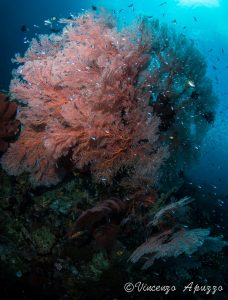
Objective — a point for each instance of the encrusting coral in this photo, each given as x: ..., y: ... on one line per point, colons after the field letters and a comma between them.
x: 86, y: 104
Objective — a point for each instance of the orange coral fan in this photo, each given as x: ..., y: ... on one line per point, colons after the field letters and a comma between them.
x: 8, y: 125
x: 85, y: 103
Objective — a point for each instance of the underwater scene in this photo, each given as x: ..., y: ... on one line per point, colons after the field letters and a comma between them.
x: 113, y: 149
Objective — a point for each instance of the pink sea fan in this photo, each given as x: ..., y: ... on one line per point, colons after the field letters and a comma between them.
x: 86, y: 105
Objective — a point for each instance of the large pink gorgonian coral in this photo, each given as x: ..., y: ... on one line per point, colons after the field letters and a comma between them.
x: 87, y: 105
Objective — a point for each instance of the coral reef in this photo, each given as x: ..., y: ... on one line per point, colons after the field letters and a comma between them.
x: 86, y: 106
x: 109, y: 102
x: 125, y: 108
x: 181, y: 95
x: 9, y: 126
x: 36, y: 257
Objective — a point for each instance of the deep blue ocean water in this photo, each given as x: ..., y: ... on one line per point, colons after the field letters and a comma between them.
x: 206, y: 22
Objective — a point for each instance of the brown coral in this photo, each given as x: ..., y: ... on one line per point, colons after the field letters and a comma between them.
x: 9, y: 126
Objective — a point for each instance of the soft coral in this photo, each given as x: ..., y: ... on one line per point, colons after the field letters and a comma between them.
x: 85, y: 103
x: 9, y: 126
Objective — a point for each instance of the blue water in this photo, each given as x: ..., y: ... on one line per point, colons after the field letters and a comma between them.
x: 206, y: 23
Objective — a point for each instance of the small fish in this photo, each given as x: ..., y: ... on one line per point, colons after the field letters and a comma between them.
x: 24, y: 28
x: 120, y: 10
x: 222, y: 50
x: 214, y: 67
x: 220, y: 201
x: 163, y: 3
x: 47, y: 22
x: 218, y: 59
x: 174, y: 21
x: 191, y: 83
x: 210, y: 50
x: 94, y: 7
x: 149, y: 17
x: 131, y: 5
x: 26, y: 41
x: 184, y: 27
x: 195, y: 19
